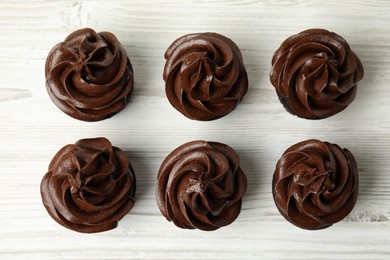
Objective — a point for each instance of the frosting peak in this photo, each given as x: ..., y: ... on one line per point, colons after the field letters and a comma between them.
x: 200, y: 185
x: 315, y: 74
x: 204, y: 75
x: 88, y: 75
x: 315, y: 184
x: 89, y: 186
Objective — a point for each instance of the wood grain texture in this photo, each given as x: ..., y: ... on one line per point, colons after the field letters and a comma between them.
x: 32, y: 129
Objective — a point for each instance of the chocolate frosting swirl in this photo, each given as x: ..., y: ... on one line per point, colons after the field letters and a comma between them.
x: 315, y: 184
x: 204, y: 75
x: 88, y: 75
x: 315, y: 74
x: 200, y: 185
x: 89, y: 186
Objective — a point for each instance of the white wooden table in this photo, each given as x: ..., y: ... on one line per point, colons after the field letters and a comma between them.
x: 32, y: 129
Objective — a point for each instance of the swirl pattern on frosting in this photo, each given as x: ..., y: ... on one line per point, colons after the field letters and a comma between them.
x: 89, y: 186
x: 315, y: 184
x: 88, y: 75
x: 200, y: 185
x: 315, y: 74
x: 204, y: 75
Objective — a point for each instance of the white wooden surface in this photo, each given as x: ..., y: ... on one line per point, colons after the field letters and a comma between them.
x: 32, y: 129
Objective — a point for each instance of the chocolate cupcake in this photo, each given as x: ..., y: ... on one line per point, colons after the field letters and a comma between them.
x: 315, y: 184
x: 89, y: 186
x: 88, y: 75
x: 204, y: 75
x: 315, y: 74
x: 200, y: 185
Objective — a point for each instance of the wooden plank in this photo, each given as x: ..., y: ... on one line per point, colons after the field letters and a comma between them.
x: 32, y: 129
